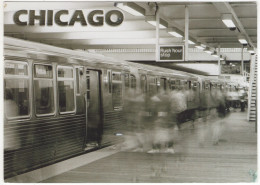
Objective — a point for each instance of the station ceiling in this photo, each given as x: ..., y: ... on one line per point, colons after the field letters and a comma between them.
x: 205, y: 25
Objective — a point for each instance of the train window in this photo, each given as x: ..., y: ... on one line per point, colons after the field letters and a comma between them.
x: 16, y: 85
x: 172, y: 85
x: 152, y: 85
x: 163, y: 84
x: 132, y: 82
x: 143, y: 84
x: 116, y: 91
x: 43, y: 89
x: 66, y: 89
x: 42, y: 71
x: 13, y: 68
x: 127, y: 82
x: 206, y: 85
x: 65, y: 72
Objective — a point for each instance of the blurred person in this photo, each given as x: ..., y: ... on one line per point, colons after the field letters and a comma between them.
x: 221, y: 111
x: 134, y: 105
x: 152, y: 127
x: 163, y: 126
x: 178, y: 105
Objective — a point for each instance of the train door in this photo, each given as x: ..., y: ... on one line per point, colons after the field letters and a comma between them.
x: 163, y: 85
x: 94, y: 107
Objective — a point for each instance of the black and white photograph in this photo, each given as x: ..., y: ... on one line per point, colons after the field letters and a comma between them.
x: 129, y: 91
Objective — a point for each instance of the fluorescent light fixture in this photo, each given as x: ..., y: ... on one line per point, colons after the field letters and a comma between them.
x: 190, y: 41
x: 227, y: 20
x: 199, y: 46
x: 242, y: 39
x: 131, y: 8
x: 175, y: 32
x: 214, y: 54
x: 207, y: 50
x: 251, y: 50
x: 152, y: 20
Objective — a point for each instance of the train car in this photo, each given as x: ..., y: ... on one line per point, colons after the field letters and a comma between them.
x: 57, y: 103
x: 60, y: 103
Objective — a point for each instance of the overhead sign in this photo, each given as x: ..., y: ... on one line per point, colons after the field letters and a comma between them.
x: 171, y: 53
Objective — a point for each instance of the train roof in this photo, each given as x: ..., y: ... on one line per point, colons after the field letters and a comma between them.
x: 34, y: 47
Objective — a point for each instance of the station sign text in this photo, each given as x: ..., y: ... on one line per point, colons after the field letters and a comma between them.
x: 171, y: 53
x: 49, y: 17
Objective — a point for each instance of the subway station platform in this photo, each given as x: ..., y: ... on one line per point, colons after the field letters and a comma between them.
x: 196, y: 158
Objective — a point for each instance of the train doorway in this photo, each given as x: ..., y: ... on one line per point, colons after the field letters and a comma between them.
x: 94, y: 123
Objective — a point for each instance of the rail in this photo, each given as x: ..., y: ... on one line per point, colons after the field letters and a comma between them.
x: 251, y: 80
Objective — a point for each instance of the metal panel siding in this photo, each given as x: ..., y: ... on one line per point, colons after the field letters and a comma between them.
x: 44, y: 141
x: 113, y: 123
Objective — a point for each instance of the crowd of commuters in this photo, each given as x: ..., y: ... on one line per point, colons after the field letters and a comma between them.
x: 154, y: 122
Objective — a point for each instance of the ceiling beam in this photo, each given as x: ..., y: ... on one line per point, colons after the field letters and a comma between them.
x: 208, y: 19
x: 216, y: 29
x: 225, y: 7
x: 125, y: 26
x: 109, y: 41
x: 222, y: 37
x: 93, y: 35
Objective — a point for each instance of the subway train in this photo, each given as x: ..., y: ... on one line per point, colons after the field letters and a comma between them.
x: 58, y: 102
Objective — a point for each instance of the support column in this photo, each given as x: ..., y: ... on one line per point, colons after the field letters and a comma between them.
x: 219, y: 64
x: 157, y: 36
x: 242, y: 60
x: 186, y: 33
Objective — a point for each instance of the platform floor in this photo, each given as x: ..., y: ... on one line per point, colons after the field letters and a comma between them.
x: 196, y: 158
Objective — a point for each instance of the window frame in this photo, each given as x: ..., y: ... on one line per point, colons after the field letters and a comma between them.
x: 40, y: 78
x: 115, y: 108
x: 77, y: 74
x: 73, y: 79
x: 132, y: 76
x: 8, y: 76
x: 144, y: 89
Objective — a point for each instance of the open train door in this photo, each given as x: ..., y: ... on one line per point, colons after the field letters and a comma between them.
x: 94, y: 121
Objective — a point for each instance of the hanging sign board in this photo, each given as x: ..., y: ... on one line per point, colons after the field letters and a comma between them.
x: 171, y: 53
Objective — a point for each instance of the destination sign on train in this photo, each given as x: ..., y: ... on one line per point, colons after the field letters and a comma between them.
x: 68, y: 18
x: 171, y: 53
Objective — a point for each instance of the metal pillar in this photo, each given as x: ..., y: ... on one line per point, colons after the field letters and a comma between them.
x: 186, y: 33
x: 242, y: 60
x: 219, y: 64
x: 157, y: 36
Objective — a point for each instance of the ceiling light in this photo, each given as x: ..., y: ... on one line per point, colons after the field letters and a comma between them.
x: 199, y: 46
x: 131, y: 8
x: 152, y: 21
x: 227, y: 20
x: 207, y: 50
x: 214, y: 54
x: 190, y: 41
x: 251, y: 50
x: 242, y: 39
x: 175, y: 32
